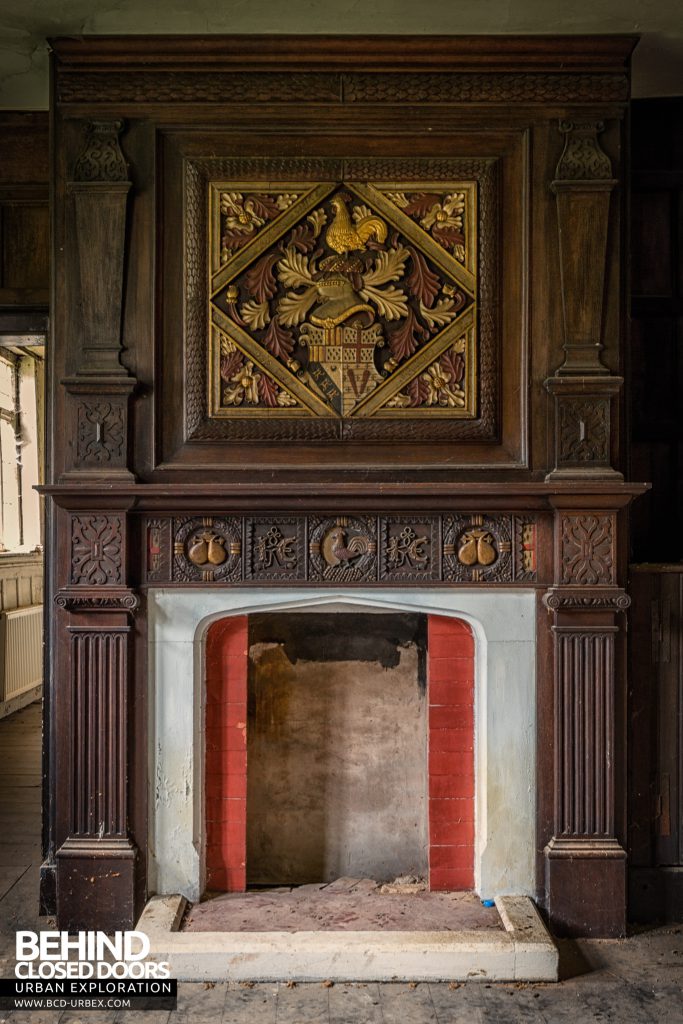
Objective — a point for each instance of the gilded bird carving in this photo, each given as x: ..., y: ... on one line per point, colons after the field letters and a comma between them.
x: 344, y: 236
x: 335, y: 549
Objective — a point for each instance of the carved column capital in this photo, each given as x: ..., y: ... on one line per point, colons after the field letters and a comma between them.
x: 582, y: 158
x: 101, y: 158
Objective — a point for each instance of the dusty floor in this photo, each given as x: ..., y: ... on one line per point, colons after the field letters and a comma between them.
x: 342, y: 906
x: 639, y: 979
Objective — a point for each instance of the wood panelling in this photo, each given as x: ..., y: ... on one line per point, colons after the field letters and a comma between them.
x: 24, y: 212
x: 656, y: 341
x: 193, y: 505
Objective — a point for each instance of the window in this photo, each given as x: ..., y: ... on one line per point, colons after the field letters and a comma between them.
x: 20, y: 450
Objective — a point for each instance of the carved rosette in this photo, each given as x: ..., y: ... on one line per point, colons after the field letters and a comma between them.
x: 343, y: 549
x: 206, y: 550
x: 587, y: 555
x: 275, y: 549
x: 96, y: 550
x: 478, y: 549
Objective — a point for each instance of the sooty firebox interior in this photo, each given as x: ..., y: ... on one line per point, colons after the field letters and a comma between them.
x: 337, y: 747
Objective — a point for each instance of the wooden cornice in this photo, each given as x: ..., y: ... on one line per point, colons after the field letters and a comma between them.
x: 480, y: 53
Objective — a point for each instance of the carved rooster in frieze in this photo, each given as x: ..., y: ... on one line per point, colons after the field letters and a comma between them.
x: 344, y: 236
x: 336, y: 550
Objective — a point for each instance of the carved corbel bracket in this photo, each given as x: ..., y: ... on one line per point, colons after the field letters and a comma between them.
x: 582, y: 186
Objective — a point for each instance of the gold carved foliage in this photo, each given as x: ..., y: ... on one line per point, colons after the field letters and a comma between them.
x: 335, y: 300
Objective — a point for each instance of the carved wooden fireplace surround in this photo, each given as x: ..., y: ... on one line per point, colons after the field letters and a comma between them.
x: 192, y: 444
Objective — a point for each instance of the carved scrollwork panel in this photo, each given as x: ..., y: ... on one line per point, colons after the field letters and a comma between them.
x: 275, y: 549
x: 102, y: 159
x: 587, y: 549
x: 583, y: 431
x: 96, y: 549
x: 409, y: 549
x: 582, y: 158
x: 101, y: 433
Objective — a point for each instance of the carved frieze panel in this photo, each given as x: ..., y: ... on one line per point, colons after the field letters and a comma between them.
x: 96, y: 550
x: 478, y: 549
x: 469, y: 548
x: 207, y: 550
x: 275, y: 548
x: 587, y: 549
x: 343, y: 549
x: 343, y: 300
x: 158, y: 550
x: 410, y: 549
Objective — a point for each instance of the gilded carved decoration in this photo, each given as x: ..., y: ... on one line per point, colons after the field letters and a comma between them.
x: 478, y: 549
x: 350, y: 301
x: 207, y: 550
x: 347, y: 549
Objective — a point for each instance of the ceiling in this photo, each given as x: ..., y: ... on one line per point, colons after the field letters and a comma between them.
x: 26, y: 24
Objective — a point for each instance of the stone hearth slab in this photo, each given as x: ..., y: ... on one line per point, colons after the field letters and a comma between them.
x: 361, y: 906
x: 523, y: 951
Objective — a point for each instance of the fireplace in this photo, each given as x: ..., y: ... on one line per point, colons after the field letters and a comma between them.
x: 337, y: 331
x: 475, y: 817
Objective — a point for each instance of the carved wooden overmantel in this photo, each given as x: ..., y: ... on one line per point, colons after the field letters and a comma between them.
x: 336, y: 312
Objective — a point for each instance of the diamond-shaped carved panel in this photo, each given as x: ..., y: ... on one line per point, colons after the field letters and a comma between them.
x: 343, y: 301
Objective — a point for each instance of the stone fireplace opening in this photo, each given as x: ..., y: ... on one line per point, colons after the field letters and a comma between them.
x: 339, y: 745
x: 300, y: 738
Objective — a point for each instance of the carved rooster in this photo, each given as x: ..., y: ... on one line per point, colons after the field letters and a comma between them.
x: 344, y: 236
x: 335, y: 550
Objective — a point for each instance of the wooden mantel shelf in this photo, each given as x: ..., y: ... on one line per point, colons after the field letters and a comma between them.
x: 339, y: 497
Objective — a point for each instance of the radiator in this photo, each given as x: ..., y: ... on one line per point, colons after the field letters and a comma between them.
x: 21, y: 650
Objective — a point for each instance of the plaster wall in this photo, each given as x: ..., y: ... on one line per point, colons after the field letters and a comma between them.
x: 503, y: 623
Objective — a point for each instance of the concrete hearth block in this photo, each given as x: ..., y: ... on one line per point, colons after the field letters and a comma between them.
x: 523, y: 951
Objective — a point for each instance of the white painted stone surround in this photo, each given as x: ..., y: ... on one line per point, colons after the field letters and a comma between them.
x: 505, y: 719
